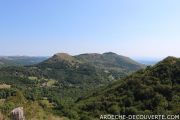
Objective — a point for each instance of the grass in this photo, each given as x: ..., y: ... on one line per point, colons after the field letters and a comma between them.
x: 5, y: 86
x: 51, y: 82
x: 32, y: 78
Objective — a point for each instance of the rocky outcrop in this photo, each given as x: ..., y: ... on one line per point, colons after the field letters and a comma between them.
x: 17, y: 114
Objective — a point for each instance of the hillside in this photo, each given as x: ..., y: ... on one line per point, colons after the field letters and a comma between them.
x: 64, y: 73
x: 61, y: 80
x: 68, y: 70
x: 99, y: 67
x: 19, y: 60
x: 111, y: 62
x: 154, y: 90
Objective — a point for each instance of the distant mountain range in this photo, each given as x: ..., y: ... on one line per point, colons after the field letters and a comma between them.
x: 148, y: 62
x: 19, y: 60
x: 92, y: 58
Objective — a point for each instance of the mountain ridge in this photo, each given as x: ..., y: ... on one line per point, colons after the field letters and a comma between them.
x: 98, y: 64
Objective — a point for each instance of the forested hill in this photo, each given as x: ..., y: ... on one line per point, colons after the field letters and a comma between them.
x: 154, y: 90
x: 88, y: 68
x: 111, y: 61
x: 118, y: 66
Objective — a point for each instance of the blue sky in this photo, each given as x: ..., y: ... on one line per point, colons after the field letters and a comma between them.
x: 134, y: 28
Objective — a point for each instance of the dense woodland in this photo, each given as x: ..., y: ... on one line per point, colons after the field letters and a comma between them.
x: 154, y: 90
x: 83, y: 87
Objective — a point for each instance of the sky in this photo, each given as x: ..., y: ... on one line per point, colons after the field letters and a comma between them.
x: 134, y: 28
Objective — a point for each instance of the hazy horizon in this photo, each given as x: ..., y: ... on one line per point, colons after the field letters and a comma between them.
x: 137, y: 29
x: 140, y: 59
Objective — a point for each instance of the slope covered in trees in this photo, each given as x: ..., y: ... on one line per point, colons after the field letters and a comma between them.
x: 111, y: 62
x: 154, y: 90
